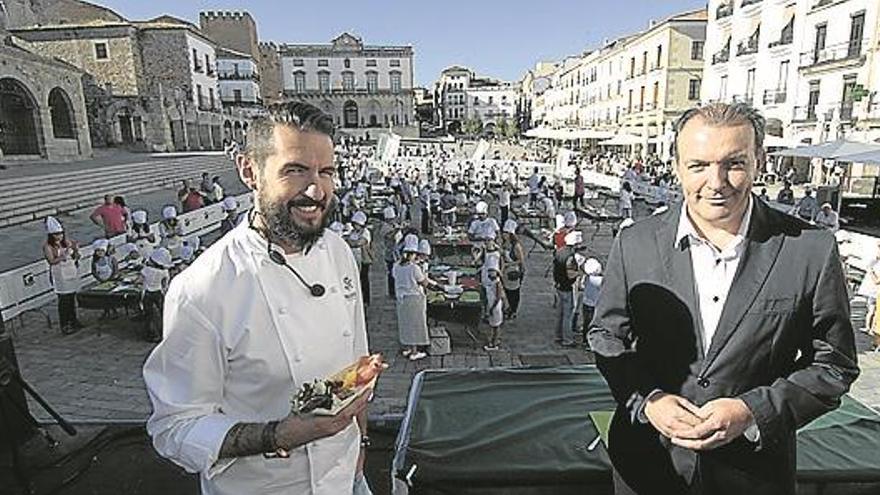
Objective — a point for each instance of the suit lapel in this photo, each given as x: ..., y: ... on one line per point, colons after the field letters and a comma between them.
x: 679, y: 271
x: 761, y: 251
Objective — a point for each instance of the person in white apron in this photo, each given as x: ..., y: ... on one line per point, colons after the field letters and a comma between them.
x: 409, y: 286
x: 514, y: 267
x: 495, y: 301
x: 171, y: 231
x: 155, y: 277
x: 62, y: 254
x: 104, y: 268
x: 140, y: 234
x: 361, y: 241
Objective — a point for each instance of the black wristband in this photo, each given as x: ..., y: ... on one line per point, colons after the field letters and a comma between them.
x: 268, y: 437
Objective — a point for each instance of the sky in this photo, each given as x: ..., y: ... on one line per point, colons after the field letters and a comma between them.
x: 496, y: 38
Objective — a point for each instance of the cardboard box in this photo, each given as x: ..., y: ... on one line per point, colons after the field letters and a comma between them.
x: 441, y: 344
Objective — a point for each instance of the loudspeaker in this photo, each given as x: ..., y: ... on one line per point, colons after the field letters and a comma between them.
x: 14, y: 426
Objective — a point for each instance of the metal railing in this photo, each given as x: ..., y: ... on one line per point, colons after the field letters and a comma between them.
x: 724, y: 10
x: 838, y: 52
x: 747, y: 47
x: 721, y: 57
x: 773, y: 96
x: 746, y: 3
x: 238, y: 76
x: 785, y: 38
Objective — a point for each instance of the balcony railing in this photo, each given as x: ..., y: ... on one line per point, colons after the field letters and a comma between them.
x: 846, y: 110
x: 198, y: 67
x: 210, y: 71
x: 724, y: 10
x: 822, y: 3
x: 775, y: 96
x: 746, y: 3
x: 721, y: 57
x: 807, y: 113
x: 783, y: 40
x: 238, y: 76
x: 747, y: 47
x: 243, y: 101
x: 206, y: 103
x: 839, y: 52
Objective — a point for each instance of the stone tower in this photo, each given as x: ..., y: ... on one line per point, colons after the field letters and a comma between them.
x: 269, y: 62
x: 232, y: 30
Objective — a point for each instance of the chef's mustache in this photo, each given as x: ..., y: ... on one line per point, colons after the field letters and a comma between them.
x: 305, y: 201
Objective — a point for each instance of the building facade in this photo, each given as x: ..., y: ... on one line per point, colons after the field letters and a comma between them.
x: 362, y: 86
x: 149, y: 85
x: 239, y: 79
x: 808, y: 65
x: 42, y: 107
x: 462, y: 96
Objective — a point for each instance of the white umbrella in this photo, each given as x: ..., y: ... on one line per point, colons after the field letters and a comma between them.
x: 830, y: 150
x: 622, y: 139
x: 778, y: 142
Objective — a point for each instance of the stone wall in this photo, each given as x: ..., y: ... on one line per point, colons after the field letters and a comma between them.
x: 271, y: 84
x: 23, y: 13
x: 122, y: 68
x: 40, y: 76
x: 166, y: 62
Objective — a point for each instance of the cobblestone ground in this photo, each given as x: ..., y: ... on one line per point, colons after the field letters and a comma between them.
x: 95, y: 374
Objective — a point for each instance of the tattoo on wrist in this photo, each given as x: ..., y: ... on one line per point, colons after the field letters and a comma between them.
x: 246, y: 439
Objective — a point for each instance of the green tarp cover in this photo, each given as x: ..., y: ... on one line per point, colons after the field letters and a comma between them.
x: 532, y: 426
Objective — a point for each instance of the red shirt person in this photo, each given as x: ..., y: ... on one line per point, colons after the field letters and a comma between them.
x: 110, y: 216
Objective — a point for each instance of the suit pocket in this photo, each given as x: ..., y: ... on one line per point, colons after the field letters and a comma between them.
x: 772, y: 305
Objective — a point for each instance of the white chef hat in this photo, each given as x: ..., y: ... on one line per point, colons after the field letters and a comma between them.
x: 482, y: 207
x: 570, y: 219
x: 337, y: 227
x: 230, y: 204
x: 162, y: 257
x: 126, y: 249
x: 53, y: 226
x: 193, y: 242
x: 100, y: 244
x: 169, y: 212
x: 411, y: 243
x: 574, y: 238
x: 359, y: 218
x: 826, y: 205
x: 592, y: 267
x: 425, y: 247
x: 388, y: 213
x: 395, y: 182
x: 626, y: 223
x: 139, y: 217
x: 510, y: 226
x: 559, y: 221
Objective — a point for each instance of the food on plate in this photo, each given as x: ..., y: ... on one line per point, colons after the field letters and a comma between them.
x: 330, y: 395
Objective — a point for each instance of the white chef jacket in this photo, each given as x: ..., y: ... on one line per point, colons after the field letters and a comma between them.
x: 241, y: 335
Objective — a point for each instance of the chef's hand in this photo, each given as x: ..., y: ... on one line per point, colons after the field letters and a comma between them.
x: 724, y: 421
x: 671, y: 414
x: 297, y: 430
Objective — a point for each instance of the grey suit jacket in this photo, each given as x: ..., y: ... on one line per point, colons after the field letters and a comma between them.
x: 784, y: 345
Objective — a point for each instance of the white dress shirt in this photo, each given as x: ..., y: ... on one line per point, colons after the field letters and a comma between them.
x: 714, y: 270
x: 241, y: 335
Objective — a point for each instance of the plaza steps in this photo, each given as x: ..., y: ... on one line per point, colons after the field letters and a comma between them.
x: 24, y: 199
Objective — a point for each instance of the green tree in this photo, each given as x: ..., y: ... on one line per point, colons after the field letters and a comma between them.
x: 512, y: 130
x: 472, y: 127
x: 501, y: 126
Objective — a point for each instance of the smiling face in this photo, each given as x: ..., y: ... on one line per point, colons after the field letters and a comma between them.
x: 294, y: 186
x: 717, y: 166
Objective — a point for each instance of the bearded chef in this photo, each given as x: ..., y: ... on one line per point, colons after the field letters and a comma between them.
x: 270, y: 306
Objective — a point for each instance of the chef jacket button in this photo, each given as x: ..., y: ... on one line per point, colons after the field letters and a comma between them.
x: 346, y: 333
x: 282, y: 311
x: 703, y: 382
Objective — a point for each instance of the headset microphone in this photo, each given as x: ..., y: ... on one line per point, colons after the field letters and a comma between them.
x: 317, y: 290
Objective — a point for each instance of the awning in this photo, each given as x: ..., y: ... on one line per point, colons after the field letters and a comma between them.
x: 869, y: 157
x: 831, y: 150
x: 623, y: 139
x: 778, y: 142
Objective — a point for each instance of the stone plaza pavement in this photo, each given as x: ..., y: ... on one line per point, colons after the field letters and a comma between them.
x: 95, y: 374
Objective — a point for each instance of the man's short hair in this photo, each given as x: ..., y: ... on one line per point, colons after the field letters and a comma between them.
x: 723, y: 114
x: 295, y: 114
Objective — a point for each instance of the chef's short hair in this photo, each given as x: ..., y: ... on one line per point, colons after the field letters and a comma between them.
x: 295, y: 114
x: 724, y: 114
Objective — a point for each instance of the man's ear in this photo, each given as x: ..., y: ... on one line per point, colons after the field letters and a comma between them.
x: 247, y: 170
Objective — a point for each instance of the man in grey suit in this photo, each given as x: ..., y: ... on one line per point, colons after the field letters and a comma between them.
x: 722, y: 326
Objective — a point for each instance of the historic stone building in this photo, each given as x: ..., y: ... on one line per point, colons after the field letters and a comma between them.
x: 42, y: 107
x: 362, y: 86
x: 150, y: 85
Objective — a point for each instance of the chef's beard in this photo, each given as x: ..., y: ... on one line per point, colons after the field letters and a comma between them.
x: 281, y: 225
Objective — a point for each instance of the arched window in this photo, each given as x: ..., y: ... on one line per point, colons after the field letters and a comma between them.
x: 18, y: 119
x: 62, y: 115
